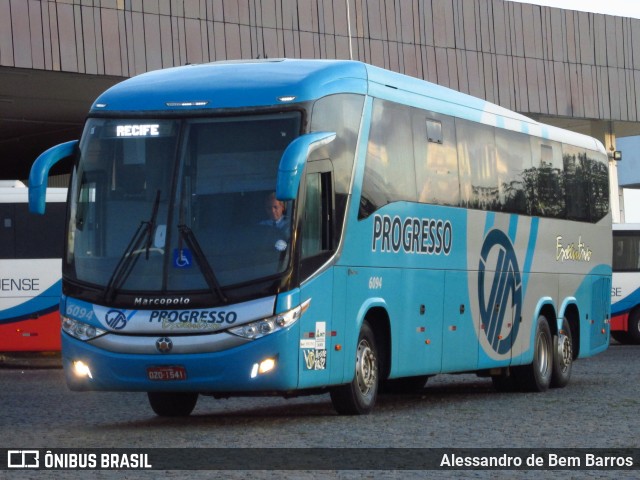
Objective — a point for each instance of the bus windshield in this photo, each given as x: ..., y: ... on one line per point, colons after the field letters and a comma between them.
x: 167, y: 205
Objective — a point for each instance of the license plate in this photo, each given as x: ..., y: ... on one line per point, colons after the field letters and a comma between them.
x: 167, y: 373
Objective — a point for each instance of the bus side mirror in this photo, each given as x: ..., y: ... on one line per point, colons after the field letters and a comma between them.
x: 40, y: 172
x: 293, y: 161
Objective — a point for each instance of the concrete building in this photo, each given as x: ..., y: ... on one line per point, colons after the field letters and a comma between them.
x: 577, y: 70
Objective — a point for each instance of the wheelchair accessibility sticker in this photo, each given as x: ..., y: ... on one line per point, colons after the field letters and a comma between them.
x: 182, y: 258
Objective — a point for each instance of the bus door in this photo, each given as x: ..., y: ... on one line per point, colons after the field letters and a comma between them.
x: 459, y: 339
x: 318, y: 326
x: 417, y: 347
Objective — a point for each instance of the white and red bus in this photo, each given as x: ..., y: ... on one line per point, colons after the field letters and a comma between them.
x: 30, y: 270
x: 625, y: 291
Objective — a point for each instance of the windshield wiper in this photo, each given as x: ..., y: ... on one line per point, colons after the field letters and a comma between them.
x: 192, y: 242
x: 152, y: 224
x: 142, y: 236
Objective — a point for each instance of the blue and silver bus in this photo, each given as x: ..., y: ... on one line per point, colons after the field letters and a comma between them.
x: 305, y: 226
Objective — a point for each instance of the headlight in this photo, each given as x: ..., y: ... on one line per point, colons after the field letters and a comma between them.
x: 269, y: 325
x: 81, y: 331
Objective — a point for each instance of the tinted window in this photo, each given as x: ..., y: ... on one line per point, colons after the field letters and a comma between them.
x: 512, y: 163
x: 341, y: 114
x: 468, y: 164
x: 389, y: 174
x: 24, y: 235
x: 316, y: 236
x: 626, y: 252
x: 586, y: 184
x: 478, y: 165
x: 544, y: 180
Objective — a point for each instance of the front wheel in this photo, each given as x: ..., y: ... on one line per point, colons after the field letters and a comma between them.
x: 173, y: 404
x: 359, y: 396
x: 536, y: 377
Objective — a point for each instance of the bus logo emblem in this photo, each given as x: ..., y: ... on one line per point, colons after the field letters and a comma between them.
x: 116, y: 319
x: 507, y: 284
x: 164, y: 345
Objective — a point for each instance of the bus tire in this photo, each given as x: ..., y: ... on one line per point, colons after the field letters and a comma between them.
x: 562, y: 356
x: 172, y: 404
x: 634, y: 327
x: 536, y: 377
x: 359, y: 396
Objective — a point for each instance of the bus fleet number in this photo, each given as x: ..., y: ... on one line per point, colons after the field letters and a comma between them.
x: 375, y: 283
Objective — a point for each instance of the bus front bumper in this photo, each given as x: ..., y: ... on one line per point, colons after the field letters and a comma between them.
x: 268, y: 364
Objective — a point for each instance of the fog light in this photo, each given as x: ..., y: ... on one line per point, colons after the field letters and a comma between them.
x: 81, y: 369
x: 267, y: 365
x: 264, y: 366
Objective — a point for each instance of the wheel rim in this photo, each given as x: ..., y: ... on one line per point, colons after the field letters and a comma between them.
x: 565, y: 353
x: 542, y: 354
x: 366, y: 369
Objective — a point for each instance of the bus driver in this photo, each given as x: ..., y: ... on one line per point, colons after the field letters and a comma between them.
x: 276, y: 212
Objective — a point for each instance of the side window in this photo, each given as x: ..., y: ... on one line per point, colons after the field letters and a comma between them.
x: 598, y: 186
x: 513, y: 152
x: 544, y: 180
x: 626, y: 252
x: 477, y: 164
x: 318, y: 217
x: 389, y: 174
x: 313, y: 237
x: 577, y: 196
x: 586, y: 184
x: 40, y: 236
x: 436, y: 160
x: 340, y: 113
x: 7, y: 230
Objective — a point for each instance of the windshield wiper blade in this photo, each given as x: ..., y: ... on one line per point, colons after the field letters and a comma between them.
x: 192, y: 242
x: 142, y: 235
x: 126, y: 262
x: 152, y: 225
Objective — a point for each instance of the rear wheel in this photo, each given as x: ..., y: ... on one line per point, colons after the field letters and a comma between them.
x: 172, y: 404
x: 536, y: 377
x: 359, y: 396
x: 634, y: 327
x: 562, y: 356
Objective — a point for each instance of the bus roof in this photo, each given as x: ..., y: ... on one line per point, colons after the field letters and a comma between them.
x: 21, y: 195
x: 233, y: 85
x: 622, y: 227
x: 261, y: 83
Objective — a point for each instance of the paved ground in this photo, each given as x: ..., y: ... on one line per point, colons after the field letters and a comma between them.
x: 599, y: 409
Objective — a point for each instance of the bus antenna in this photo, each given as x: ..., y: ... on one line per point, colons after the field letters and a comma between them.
x: 349, y: 30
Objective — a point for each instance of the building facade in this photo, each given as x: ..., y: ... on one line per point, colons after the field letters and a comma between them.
x: 574, y: 69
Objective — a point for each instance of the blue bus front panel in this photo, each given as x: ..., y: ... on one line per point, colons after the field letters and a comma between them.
x: 223, y: 371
